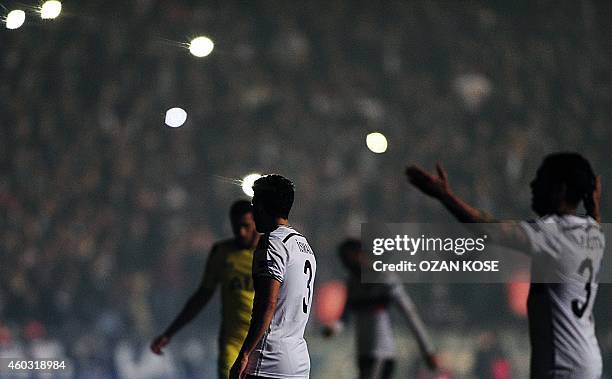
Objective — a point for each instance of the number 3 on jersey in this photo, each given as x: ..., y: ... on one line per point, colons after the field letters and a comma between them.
x: 578, y: 310
x: 306, y: 300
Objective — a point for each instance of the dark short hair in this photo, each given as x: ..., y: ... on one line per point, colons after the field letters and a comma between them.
x: 349, y: 245
x: 239, y: 208
x: 571, y: 169
x: 276, y: 193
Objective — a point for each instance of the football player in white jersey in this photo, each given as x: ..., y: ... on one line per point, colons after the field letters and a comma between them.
x: 370, y: 304
x: 284, y: 269
x: 565, y: 247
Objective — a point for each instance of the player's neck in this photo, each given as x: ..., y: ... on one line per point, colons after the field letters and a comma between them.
x: 565, y: 209
x: 559, y: 212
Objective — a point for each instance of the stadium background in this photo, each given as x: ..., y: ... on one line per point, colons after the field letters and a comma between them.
x: 106, y: 215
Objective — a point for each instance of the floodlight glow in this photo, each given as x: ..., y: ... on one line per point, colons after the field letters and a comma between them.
x: 175, y: 117
x: 376, y: 142
x: 201, y: 46
x: 15, y: 19
x: 247, y: 184
x: 50, y: 9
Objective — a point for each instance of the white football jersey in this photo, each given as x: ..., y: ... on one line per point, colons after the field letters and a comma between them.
x: 371, y: 303
x: 286, y: 256
x: 567, y: 250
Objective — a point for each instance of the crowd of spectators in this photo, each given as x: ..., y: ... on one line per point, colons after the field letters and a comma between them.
x: 106, y: 215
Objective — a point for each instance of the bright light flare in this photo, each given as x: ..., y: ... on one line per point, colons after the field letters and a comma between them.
x: 247, y: 184
x: 201, y: 46
x: 15, y: 19
x: 50, y: 9
x: 175, y: 117
x: 376, y: 142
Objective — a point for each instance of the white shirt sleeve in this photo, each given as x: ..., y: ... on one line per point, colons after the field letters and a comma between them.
x: 271, y: 259
x: 409, y: 311
x: 542, y: 238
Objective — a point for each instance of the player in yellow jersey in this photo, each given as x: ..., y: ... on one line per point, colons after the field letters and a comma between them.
x: 229, y: 265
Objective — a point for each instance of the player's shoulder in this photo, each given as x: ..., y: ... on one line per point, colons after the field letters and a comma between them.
x: 284, y: 234
x: 224, y: 246
x: 562, y: 224
x: 549, y: 222
x: 270, y: 241
x: 294, y: 241
x: 569, y: 223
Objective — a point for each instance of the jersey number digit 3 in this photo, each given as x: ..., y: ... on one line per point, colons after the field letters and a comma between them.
x: 576, y: 308
x: 306, y: 300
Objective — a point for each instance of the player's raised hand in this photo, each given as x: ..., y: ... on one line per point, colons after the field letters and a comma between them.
x: 158, y: 343
x: 432, y: 185
x: 592, y: 203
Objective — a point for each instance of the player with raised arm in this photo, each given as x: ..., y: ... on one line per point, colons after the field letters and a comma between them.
x: 229, y: 266
x: 370, y: 304
x: 284, y: 269
x: 561, y: 325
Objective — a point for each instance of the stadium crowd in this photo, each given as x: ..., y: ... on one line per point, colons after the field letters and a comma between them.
x: 106, y: 215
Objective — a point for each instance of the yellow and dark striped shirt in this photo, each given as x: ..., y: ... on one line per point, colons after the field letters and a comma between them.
x: 230, y: 267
